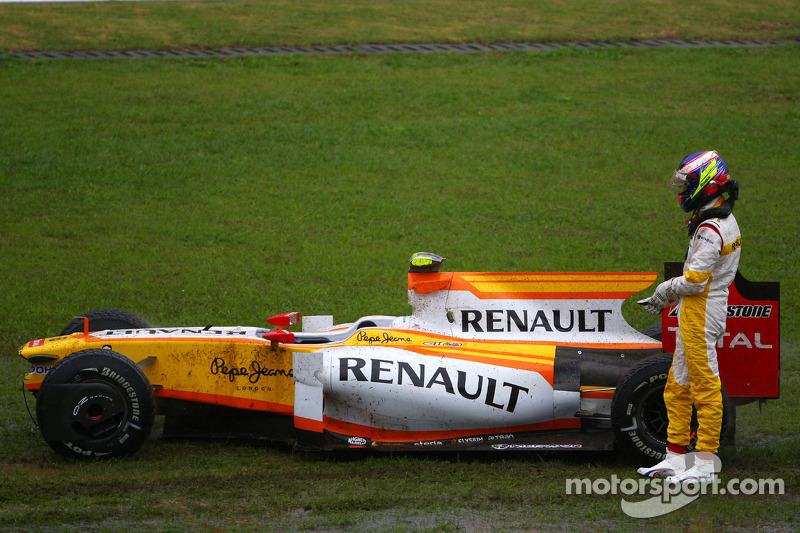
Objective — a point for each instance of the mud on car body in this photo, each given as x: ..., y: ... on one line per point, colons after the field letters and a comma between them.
x: 485, y: 361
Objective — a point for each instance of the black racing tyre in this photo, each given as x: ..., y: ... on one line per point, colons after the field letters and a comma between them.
x: 639, y: 415
x: 653, y: 331
x: 103, y: 319
x: 95, y: 404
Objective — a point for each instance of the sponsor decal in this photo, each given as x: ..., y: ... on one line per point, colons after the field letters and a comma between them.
x: 500, y: 437
x: 740, y: 311
x: 633, y: 435
x: 357, y: 441
x: 536, y: 446
x: 428, y: 443
x: 388, y: 444
x: 253, y: 388
x: 39, y: 370
x: 703, y: 238
x: 383, y: 338
x: 740, y: 339
x: 89, y: 453
x: 161, y: 331
x: 729, y: 340
x: 750, y: 311
x: 510, y: 320
x: 469, y: 386
x: 450, y: 344
x: 36, y: 343
x: 469, y: 440
x: 252, y: 373
x: 126, y: 386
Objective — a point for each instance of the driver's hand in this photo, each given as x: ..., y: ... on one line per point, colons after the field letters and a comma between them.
x: 661, y: 299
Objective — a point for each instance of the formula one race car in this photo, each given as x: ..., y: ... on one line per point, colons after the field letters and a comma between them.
x: 486, y: 361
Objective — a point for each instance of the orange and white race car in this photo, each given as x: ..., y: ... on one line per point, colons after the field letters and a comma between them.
x: 485, y: 361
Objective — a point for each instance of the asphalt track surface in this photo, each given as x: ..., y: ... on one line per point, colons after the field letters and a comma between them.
x: 395, y: 48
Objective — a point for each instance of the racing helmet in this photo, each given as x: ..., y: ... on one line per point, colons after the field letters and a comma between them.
x: 703, y: 176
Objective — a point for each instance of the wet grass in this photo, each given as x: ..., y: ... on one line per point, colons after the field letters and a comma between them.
x: 217, y: 24
x: 226, y: 190
x: 224, y: 486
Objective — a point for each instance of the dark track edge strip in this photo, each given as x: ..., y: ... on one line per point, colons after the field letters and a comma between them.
x: 396, y: 48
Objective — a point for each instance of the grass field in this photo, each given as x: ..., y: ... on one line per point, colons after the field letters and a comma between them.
x: 215, y: 24
x: 227, y: 190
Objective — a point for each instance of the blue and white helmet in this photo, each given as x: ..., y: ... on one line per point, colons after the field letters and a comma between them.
x: 703, y: 176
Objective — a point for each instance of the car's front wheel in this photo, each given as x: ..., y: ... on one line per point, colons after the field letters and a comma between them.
x: 95, y: 404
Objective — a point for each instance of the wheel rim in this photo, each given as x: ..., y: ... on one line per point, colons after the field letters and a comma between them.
x: 652, y: 413
x: 99, y: 416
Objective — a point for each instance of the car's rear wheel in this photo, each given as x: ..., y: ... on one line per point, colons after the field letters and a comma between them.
x: 653, y: 331
x: 639, y: 415
x: 95, y: 404
x: 103, y: 319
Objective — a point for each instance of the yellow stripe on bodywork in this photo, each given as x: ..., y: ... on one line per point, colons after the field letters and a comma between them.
x: 546, y: 354
x: 562, y: 286
x: 434, y: 344
x: 563, y: 283
x: 575, y: 276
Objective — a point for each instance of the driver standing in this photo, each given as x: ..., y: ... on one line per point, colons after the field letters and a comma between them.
x: 702, y: 297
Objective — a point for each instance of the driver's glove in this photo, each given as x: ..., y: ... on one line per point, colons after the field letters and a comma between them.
x: 661, y: 299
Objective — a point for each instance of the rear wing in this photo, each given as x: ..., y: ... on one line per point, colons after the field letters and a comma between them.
x: 750, y: 352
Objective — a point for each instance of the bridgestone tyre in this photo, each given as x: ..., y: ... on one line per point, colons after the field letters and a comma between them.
x: 103, y: 319
x: 653, y: 331
x: 107, y: 407
x: 639, y: 415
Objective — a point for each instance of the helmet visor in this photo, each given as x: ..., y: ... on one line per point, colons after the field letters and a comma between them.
x: 679, y: 179
x: 689, y: 165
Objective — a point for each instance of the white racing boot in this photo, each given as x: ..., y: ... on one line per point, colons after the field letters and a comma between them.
x: 673, y: 465
x: 705, y: 470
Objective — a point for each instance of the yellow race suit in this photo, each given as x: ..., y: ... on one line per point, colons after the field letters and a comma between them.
x: 710, y: 267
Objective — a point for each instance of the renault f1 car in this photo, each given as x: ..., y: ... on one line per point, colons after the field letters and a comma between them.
x: 485, y: 361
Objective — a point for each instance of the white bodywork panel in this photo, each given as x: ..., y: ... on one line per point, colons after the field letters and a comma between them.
x: 395, y: 389
x: 463, y: 315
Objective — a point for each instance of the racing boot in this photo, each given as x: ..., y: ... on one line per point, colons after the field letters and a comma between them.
x: 673, y: 465
x: 706, y: 466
